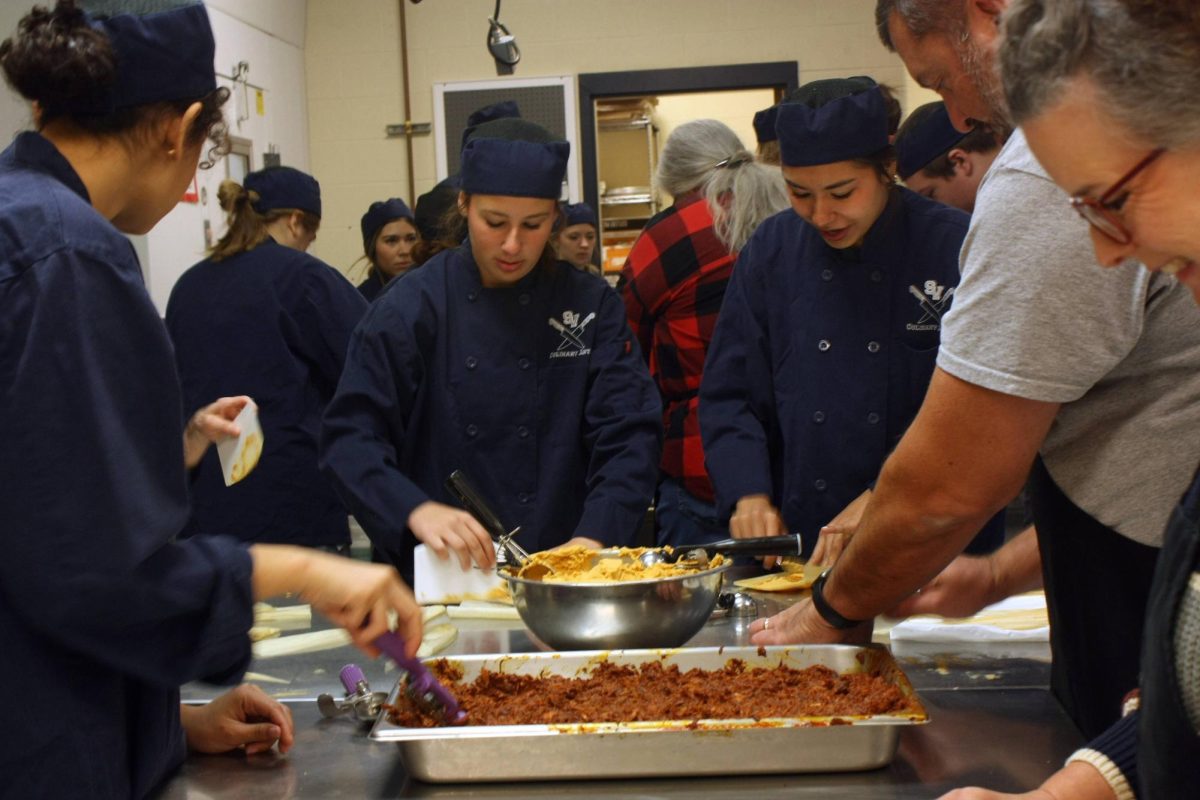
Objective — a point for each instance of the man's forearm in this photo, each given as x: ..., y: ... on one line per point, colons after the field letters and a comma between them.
x: 964, y: 457
x: 908, y: 534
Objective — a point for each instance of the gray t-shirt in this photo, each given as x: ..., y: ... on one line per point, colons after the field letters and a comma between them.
x: 1036, y: 317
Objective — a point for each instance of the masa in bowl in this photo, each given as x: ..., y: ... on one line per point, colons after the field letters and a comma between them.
x: 652, y: 612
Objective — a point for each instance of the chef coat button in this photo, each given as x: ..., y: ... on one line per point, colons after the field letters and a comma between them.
x: 873, y: 418
x: 524, y: 299
x: 819, y: 484
x: 472, y: 362
x: 818, y: 416
x: 472, y: 430
x: 876, y: 276
x: 472, y: 295
x: 524, y: 363
x: 873, y: 347
x: 824, y: 345
x: 523, y: 432
x: 826, y: 274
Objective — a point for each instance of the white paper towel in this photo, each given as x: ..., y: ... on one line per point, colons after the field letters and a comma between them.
x: 936, y: 629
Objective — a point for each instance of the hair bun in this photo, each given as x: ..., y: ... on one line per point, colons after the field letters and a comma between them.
x: 232, y: 196
x: 56, y: 57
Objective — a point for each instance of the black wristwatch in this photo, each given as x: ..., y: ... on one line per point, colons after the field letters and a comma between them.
x: 827, y: 611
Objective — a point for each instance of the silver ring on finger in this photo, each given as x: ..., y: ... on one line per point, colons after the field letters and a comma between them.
x: 766, y: 623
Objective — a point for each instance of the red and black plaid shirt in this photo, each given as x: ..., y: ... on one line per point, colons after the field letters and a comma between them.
x: 673, y: 283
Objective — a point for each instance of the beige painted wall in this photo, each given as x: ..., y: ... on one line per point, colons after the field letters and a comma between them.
x: 735, y: 109
x: 352, y: 58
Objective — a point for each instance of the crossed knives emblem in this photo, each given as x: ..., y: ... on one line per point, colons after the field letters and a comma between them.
x: 571, y: 336
x: 933, y: 311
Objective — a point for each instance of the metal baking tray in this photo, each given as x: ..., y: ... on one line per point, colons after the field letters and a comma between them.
x: 474, y: 754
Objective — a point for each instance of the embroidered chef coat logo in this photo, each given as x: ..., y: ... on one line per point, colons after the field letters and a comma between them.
x: 933, y: 298
x: 571, y: 330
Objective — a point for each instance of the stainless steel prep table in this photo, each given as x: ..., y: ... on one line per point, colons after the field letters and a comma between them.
x: 994, y: 723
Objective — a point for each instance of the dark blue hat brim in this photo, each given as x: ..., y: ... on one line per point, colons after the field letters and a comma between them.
x: 920, y: 145
x: 284, y: 187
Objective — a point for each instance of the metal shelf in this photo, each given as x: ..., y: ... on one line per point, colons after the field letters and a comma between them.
x: 626, y: 199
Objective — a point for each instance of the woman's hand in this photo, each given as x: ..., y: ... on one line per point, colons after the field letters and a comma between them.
x: 209, y: 425
x: 836, y: 535
x: 1078, y: 780
x: 244, y: 718
x: 444, y: 528
x: 975, y: 793
x: 356, y: 595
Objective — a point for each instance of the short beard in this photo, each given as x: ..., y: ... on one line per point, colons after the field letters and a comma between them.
x: 980, y: 67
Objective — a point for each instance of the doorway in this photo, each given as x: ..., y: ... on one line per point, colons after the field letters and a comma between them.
x: 627, y: 116
x: 630, y: 135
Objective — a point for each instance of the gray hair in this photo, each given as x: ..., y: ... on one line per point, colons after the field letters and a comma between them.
x: 740, y: 196
x: 1142, y: 55
x: 692, y: 152
x: 707, y: 155
x: 921, y: 17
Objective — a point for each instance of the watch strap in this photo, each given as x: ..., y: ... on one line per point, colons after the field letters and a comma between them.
x: 827, y: 612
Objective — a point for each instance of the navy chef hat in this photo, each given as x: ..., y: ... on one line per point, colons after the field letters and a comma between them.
x: 832, y: 120
x: 380, y: 213
x: 505, y: 109
x: 579, y: 214
x: 284, y: 187
x: 764, y: 125
x: 526, y: 163
x: 164, y: 51
x: 925, y: 135
x: 432, y: 207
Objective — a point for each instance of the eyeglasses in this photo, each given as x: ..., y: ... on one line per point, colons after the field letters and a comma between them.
x: 1104, y: 214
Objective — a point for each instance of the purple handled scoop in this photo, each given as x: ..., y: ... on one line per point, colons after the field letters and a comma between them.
x: 423, y: 688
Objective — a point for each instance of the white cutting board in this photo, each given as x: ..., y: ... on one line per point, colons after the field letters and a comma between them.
x: 438, y: 581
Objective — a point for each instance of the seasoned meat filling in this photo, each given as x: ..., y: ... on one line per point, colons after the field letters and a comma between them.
x: 654, y: 692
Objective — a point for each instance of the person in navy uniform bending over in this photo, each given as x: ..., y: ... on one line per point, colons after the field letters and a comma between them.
x: 261, y: 317
x: 103, y: 612
x: 389, y: 235
x: 827, y: 337
x: 499, y: 360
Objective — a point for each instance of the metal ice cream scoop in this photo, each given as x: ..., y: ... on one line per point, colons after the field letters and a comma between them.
x: 421, y: 686
x: 359, y: 700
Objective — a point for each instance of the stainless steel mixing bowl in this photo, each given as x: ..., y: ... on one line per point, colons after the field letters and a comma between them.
x: 660, y: 612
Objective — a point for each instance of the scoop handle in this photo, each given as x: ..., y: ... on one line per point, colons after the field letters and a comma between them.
x: 351, y: 676
x: 788, y: 545
x: 458, y: 485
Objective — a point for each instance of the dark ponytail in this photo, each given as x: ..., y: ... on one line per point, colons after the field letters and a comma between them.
x: 57, y: 60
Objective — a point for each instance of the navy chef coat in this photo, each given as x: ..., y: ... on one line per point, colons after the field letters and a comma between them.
x: 272, y: 323
x: 372, y: 286
x: 821, y: 358
x: 102, y: 614
x: 560, y: 432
